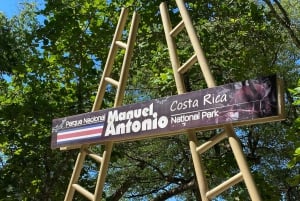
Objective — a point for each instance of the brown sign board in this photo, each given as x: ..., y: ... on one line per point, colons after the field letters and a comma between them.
x: 247, y: 102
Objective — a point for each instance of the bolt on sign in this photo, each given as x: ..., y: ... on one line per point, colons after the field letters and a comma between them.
x: 246, y: 102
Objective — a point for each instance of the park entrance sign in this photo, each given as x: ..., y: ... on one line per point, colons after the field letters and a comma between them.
x: 241, y: 103
x: 247, y: 102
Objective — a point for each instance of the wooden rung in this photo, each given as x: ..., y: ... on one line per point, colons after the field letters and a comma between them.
x: 224, y: 186
x: 188, y: 64
x: 121, y: 44
x: 83, y: 191
x: 94, y: 156
x: 177, y: 29
x: 210, y: 143
x: 112, y: 81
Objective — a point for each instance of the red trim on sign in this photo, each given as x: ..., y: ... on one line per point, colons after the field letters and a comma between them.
x: 79, y: 134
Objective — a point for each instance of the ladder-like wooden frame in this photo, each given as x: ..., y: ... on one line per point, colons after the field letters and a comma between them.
x: 178, y: 70
x: 120, y: 85
x: 196, y: 150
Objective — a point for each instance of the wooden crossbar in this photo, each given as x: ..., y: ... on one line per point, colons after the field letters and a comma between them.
x: 224, y: 186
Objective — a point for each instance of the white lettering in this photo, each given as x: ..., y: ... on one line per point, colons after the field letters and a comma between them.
x: 73, y: 123
x: 136, y: 126
x: 212, y: 99
x: 162, y: 122
x: 122, y: 123
x: 110, y: 129
x: 113, y: 116
x: 187, y: 104
x: 210, y: 114
x: 94, y: 119
x: 185, y: 118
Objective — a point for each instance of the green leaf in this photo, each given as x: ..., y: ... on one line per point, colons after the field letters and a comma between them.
x: 297, y: 152
x: 294, y: 181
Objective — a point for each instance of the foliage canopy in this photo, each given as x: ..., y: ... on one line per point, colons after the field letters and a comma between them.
x: 51, y: 68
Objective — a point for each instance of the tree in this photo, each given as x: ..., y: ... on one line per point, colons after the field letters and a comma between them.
x: 28, y: 103
x: 10, y: 48
x: 286, y: 14
x: 294, y: 179
x: 59, y: 77
x: 291, y: 25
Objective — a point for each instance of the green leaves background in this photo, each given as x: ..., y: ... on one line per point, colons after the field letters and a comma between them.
x: 52, y: 60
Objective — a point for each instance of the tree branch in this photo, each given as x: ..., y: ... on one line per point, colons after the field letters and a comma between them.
x: 284, y: 21
x: 175, y: 191
x: 120, y: 191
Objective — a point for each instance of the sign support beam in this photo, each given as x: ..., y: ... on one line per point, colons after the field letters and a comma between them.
x: 120, y: 85
x: 234, y: 142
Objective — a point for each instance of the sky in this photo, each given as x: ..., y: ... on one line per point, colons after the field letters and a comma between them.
x: 13, y: 7
x: 10, y: 7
